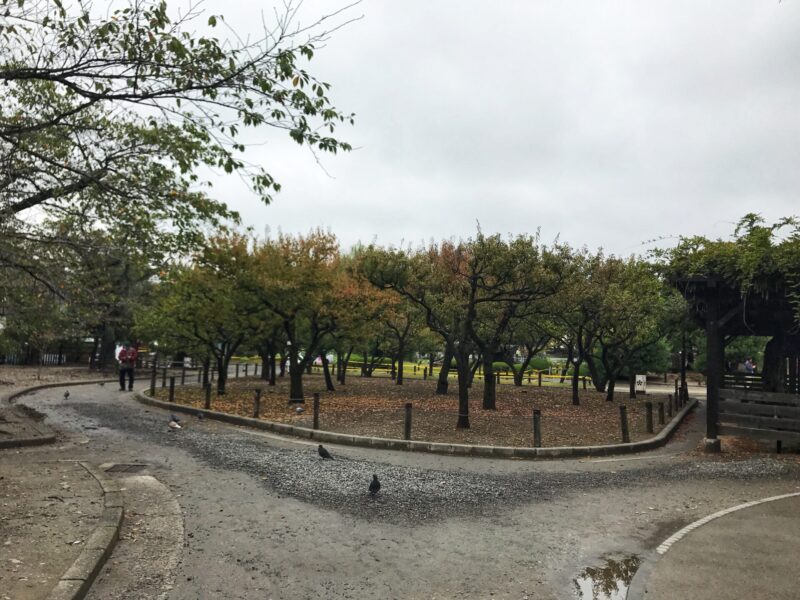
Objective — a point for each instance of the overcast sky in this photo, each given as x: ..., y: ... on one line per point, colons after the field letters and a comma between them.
x: 604, y: 123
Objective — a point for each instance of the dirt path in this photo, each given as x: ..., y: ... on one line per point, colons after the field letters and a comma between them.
x: 264, y: 517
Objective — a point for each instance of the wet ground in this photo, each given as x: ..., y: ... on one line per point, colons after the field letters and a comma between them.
x: 264, y: 516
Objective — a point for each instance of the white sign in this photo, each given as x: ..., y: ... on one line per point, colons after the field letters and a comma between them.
x: 641, y: 384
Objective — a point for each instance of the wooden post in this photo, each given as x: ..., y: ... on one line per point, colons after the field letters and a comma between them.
x: 164, y: 377
x: 669, y: 405
x: 778, y: 446
x: 255, y: 370
x: 540, y: 379
x: 153, y: 383
x: 623, y: 421
x: 584, y: 382
x: 237, y: 371
x: 208, y: 397
x: 498, y: 378
x: 172, y: 389
x: 246, y: 365
x: 665, y: 377
x: 714, y: 359
x: 425, y: 373
x: 660, y: 413
x: 199, y: 375
x: 648, y: 410
x: 257, y: 404
x: 529, y: 376
x: 316, y: 411
x: 537, y: 428
x: 183, y: 375
x: 407, y: 424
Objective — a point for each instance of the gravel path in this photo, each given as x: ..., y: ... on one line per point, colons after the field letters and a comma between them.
x: 268, y: 518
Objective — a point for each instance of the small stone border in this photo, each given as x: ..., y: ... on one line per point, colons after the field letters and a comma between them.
x: 637, y: 586
x: 45, y: 438
x: 76, y: 582
x: 434, y: 447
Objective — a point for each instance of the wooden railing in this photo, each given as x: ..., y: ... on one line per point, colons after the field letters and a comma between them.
x: 771, y: 416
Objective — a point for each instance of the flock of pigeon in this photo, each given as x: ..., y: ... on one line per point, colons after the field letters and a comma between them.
x: 374, y: 486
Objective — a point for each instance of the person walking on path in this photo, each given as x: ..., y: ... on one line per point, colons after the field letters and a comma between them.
x: 127, y: 362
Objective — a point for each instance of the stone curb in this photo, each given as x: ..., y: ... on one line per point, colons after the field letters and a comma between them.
x: 433, y: 447
x: 49, y: 438
x: 78, y: 579
x: 638, y: 586
x: 9, y: 398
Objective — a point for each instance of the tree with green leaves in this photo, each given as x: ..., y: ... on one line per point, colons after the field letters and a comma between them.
x: 293, y: 279
x: 206, y: 306
x: 761, y: 266
x: 107, y: 117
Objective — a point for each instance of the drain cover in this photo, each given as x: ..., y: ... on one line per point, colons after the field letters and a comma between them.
x: 125, y: 468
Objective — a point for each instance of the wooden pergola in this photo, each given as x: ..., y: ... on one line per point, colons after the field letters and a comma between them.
x: 759, y: 408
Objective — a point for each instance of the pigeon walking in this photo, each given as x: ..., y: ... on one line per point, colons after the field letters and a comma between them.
x: 66, y: 395
x: 374, y: 486
x: 175, y: 418
x: 200, y: 416
x: 324, y: 453
x: 174, y: 425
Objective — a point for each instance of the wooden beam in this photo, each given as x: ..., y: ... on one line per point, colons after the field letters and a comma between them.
x: 759, y: 396
x: 759, y: 434
x: 755, y: 408
x: 754, y: 422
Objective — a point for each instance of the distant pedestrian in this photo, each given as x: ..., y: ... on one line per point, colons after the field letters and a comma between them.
x: 749, y: 367
x: 127, y: 362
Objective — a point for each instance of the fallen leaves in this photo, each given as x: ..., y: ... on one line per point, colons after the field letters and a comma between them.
x: 375, y: 407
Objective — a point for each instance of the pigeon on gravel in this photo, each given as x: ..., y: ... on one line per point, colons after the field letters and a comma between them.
x: 175, y: 418
x: 200, y: 415
x: 174, y: 425
x: 66, y: 395
x: 324, y: 453
x: 374, y: 486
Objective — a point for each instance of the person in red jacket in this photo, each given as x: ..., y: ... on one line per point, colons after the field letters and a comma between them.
x: 127, y: 362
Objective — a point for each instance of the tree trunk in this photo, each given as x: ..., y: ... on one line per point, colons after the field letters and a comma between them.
x: 462, y: 366
x: 295, y: 376
x: 327, y: 372
x: 576, y: 378
x: 442, y: 383
x: 597, y: 381
x: 265, y: 366
x: 400, y: 363
x: 222, y: 373
x: 342, y: 368
x: 570, y: 353
x: 610, y: 388
x: 489, y: 385
x: 283, y: 364
x: 93, y: 357
x: 272, y: 369
x: 107, y: 348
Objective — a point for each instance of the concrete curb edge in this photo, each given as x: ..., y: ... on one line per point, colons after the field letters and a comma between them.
x: 8, y: 399
x: 433, y: 447
x: 77, y: 580
x: 638, y: 585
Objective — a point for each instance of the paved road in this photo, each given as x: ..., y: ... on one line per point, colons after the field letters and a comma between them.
x: 264, y: 517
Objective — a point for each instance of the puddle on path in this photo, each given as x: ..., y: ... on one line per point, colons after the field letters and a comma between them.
x: 607, y: 582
